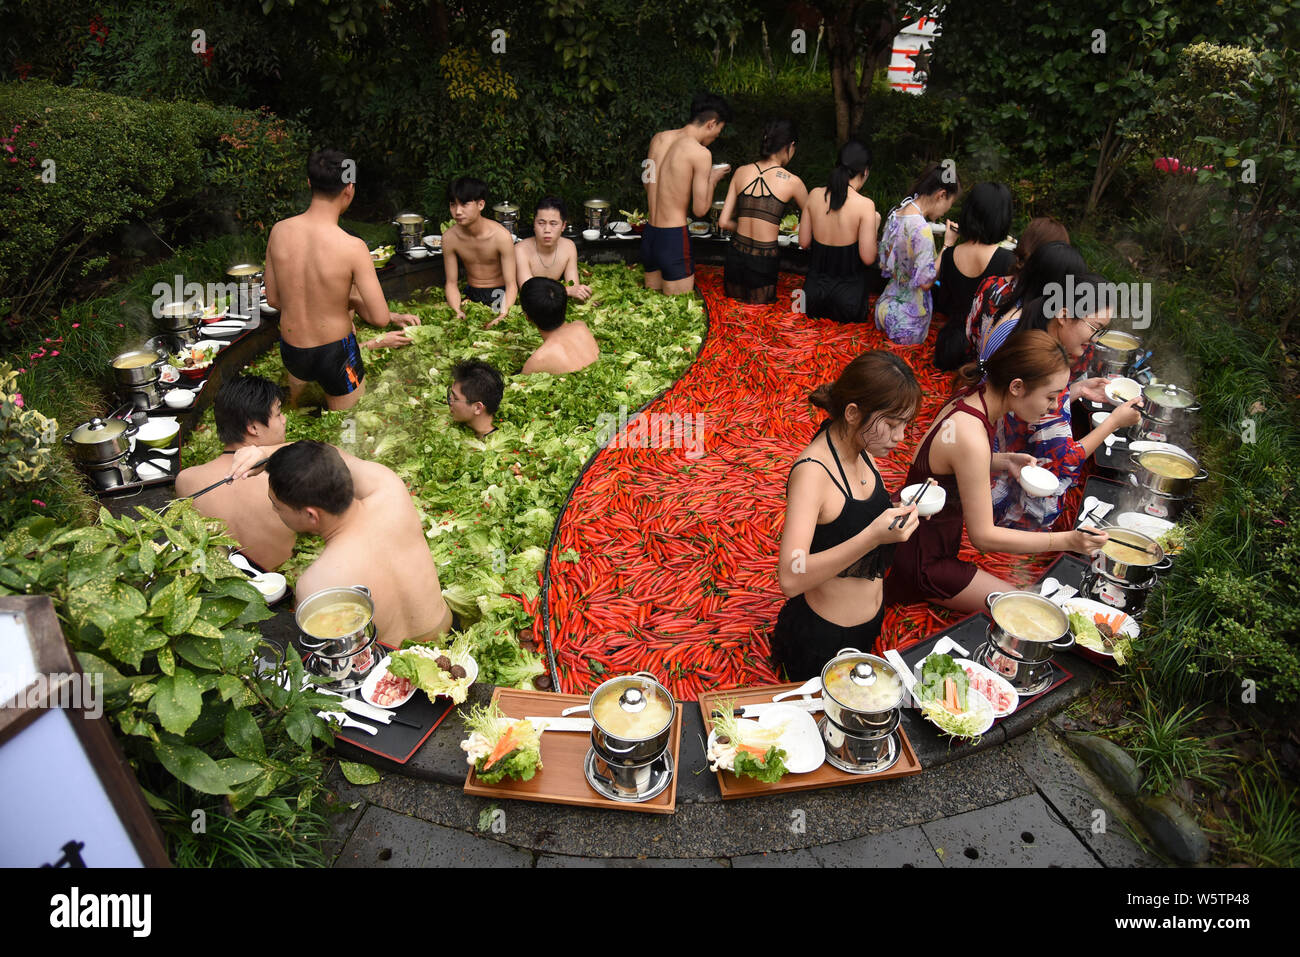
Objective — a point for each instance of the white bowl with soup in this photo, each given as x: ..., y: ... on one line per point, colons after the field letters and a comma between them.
x: 931, y: 503
x: 1121, y: 389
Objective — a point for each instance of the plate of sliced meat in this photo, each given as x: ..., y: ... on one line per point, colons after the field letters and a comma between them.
x: 385, y: 690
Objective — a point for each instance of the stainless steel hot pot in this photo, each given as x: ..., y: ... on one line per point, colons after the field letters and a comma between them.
x: 1116, y: 355
x: 1149, y: 472
x: 1004, y: 638
x: 633, y: 693
x: 343, y: 655
x: 1135, y: 571
x: 99, y: 441
x: 859, y: 740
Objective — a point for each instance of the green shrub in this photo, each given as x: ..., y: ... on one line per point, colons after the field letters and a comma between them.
x: 153, y: 606
x: 86, y: 165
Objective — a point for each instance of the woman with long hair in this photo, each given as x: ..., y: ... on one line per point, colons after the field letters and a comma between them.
x: 1025, y: 376
x: 978, y: 252
x: 907, y: 260
x: 837, y: 541
x: 756, y: 201
x: 839, y: 227
x: 1050, y: 439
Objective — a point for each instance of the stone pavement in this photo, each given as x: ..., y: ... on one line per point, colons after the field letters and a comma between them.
x: 1030, y: 802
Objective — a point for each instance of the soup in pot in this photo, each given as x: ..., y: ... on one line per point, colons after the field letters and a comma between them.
x: 135, y: 361
x: 1130, y: 551
x: 1168, y: 466
x: 880, y: 695
x: 632, y: 725
x: 1027, y: 619
x: 1117, y: 340
x: 336, y: 620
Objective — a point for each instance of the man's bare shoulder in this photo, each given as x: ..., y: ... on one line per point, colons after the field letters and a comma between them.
x: 192, y: 479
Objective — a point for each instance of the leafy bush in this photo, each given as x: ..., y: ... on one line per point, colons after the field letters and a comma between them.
x: 153, y: 606
x: 86, y: 165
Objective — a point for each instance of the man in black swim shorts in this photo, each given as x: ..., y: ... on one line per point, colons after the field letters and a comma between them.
x: 336, y: 366
x: 667, y: 251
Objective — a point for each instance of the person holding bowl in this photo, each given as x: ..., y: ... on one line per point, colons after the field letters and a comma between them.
x: 839, y: 524
x: 905, y: 308
x: 1050, y: 438
x: 756, y: 200
x: 1026, y: 377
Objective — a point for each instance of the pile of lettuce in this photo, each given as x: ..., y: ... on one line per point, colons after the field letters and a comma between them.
x: 489, y: 505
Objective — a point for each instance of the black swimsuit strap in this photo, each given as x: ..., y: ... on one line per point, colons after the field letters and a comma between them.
x: 767, y: 191
x: 836, y: 456
x: 829, y: 474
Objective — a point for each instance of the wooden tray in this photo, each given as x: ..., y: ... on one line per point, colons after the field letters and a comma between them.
x: 827, y: 776
x: 561, y: 779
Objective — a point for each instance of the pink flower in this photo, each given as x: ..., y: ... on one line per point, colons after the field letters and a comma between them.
x: 55, y: 352
x: 76, y: 325
x: 38, y: 502
x: 18, y: 399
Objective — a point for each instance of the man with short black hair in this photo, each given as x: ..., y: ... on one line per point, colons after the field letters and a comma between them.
x: 483, y: 246
x: 475, y: 395
x: 566, y: 346
x: 547, y: 253
x: 680, y: 179
x: 372, y: 531
x: 315, y: 275
x: 248, y: 414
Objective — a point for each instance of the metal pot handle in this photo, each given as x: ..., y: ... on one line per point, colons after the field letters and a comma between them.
x: 1164, y: 564
x: 1064, y: 643
x: 992, y: 597
x: 845, y: 651
x: 307, y: 642
x: 363, y: 589
x: 1201, y: 476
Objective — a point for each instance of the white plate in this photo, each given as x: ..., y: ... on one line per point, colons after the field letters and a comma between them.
x: 999, y: 682
x: 1147, y: 525
x: 619, y: 226
x: 147, y: 473
x: 801, y: 741
x: 1129, y: 629
x: 372, y: 679
x: 978, y: 703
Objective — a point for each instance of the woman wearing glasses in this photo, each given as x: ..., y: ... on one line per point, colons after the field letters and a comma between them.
x: 1051, y: 438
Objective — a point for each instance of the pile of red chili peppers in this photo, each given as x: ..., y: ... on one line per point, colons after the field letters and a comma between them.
x: 677, y: 546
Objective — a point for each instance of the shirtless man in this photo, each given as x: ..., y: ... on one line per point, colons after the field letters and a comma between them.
x: 315, y: 275
x: 483, y: 246
x: 566, y: 346
x: 547, y: 253
x: 681, y: 181
x: 372, y: 531
x: 475, y: 395
x: 248, y: 415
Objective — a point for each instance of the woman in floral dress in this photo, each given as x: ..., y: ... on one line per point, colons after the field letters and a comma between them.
x: 907, y: 256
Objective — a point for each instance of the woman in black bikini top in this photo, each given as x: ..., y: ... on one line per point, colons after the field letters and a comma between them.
x: 837, y: 542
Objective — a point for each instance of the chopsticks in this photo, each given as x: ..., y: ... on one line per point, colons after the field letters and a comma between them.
x: 898, y: 522
x: 226, y: 481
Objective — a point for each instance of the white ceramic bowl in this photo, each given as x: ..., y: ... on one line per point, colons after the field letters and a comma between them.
x: 147, y: 472
x: 417, y: 252
x: 1038, y: 482
x: 433, y: 241
x: 591, y: 235
x: 179, y: 399
x: 272, y: 585
x: 1099, y: 419
x: 157, y: 433
x: 783, y: 240
x: 931, y: 502
x: 1120, y: 389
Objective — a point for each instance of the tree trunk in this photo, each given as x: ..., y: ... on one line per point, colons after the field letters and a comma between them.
x: 767, y: 53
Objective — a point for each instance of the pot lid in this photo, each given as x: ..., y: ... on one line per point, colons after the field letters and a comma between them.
x: 506, y: 207
x: 864, y: 674
x: 97, y: 430
x: 633, y: 694
x: 410, y: 218
x: 597, y: 203
x: 244, y: 269
x: 1169, y: 395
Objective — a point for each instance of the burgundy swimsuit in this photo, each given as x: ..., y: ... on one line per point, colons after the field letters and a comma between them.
x: 926, y: 566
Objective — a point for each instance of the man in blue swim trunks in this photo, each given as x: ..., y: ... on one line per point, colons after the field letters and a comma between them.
x: 680, y: 178
x: 316, y: 274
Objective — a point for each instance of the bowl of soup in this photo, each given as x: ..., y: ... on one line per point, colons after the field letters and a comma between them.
x: 1026, y: 626
x: 336, y: 622
x: 631, y: 719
